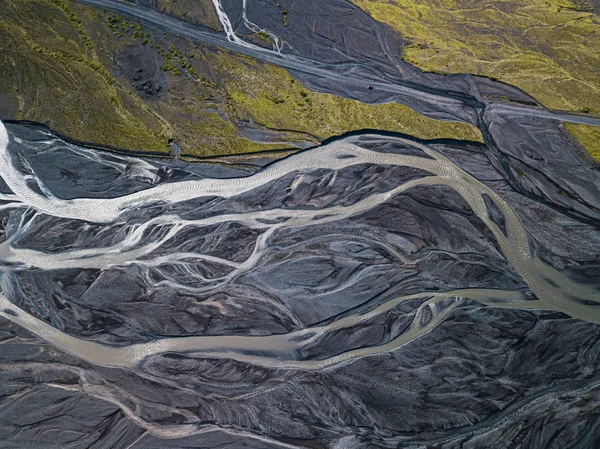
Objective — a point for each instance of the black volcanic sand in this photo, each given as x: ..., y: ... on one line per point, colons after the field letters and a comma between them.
x: 484, y: 375
x: 473, y: 372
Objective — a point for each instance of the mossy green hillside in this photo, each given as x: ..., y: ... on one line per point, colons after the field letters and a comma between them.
x: 51, y: 74
x: 248, y: 91
x: 67, y: 65
x: 548, y: 48
x: 191, y: 103
x: 272, y: 98
x: 588, y: 136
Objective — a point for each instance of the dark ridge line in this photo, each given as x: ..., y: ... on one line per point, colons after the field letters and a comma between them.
x: 364, y: 131
x: 136, y: 153
x: 213, y: 158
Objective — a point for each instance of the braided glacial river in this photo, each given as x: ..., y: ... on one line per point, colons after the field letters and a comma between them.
x: 552, y: 289
x: 376, y: 291
x: 266, y: 306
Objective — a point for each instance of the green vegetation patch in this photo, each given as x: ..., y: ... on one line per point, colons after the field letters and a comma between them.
x: 271, y: 97
x: 264, y: 38
x: 548, y: 48
x: 197, y: 12
x: 50, y: 67
x: 84, y: 72
x: 588, y: 136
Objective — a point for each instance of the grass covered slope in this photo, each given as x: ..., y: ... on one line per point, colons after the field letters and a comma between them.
x: 102, y: 78
x: 49, y: 72
x: 548, y: 48
x: 273, y: 99
x: 588, y: 136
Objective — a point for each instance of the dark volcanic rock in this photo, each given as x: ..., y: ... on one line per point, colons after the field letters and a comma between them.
x: 140, y: 66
